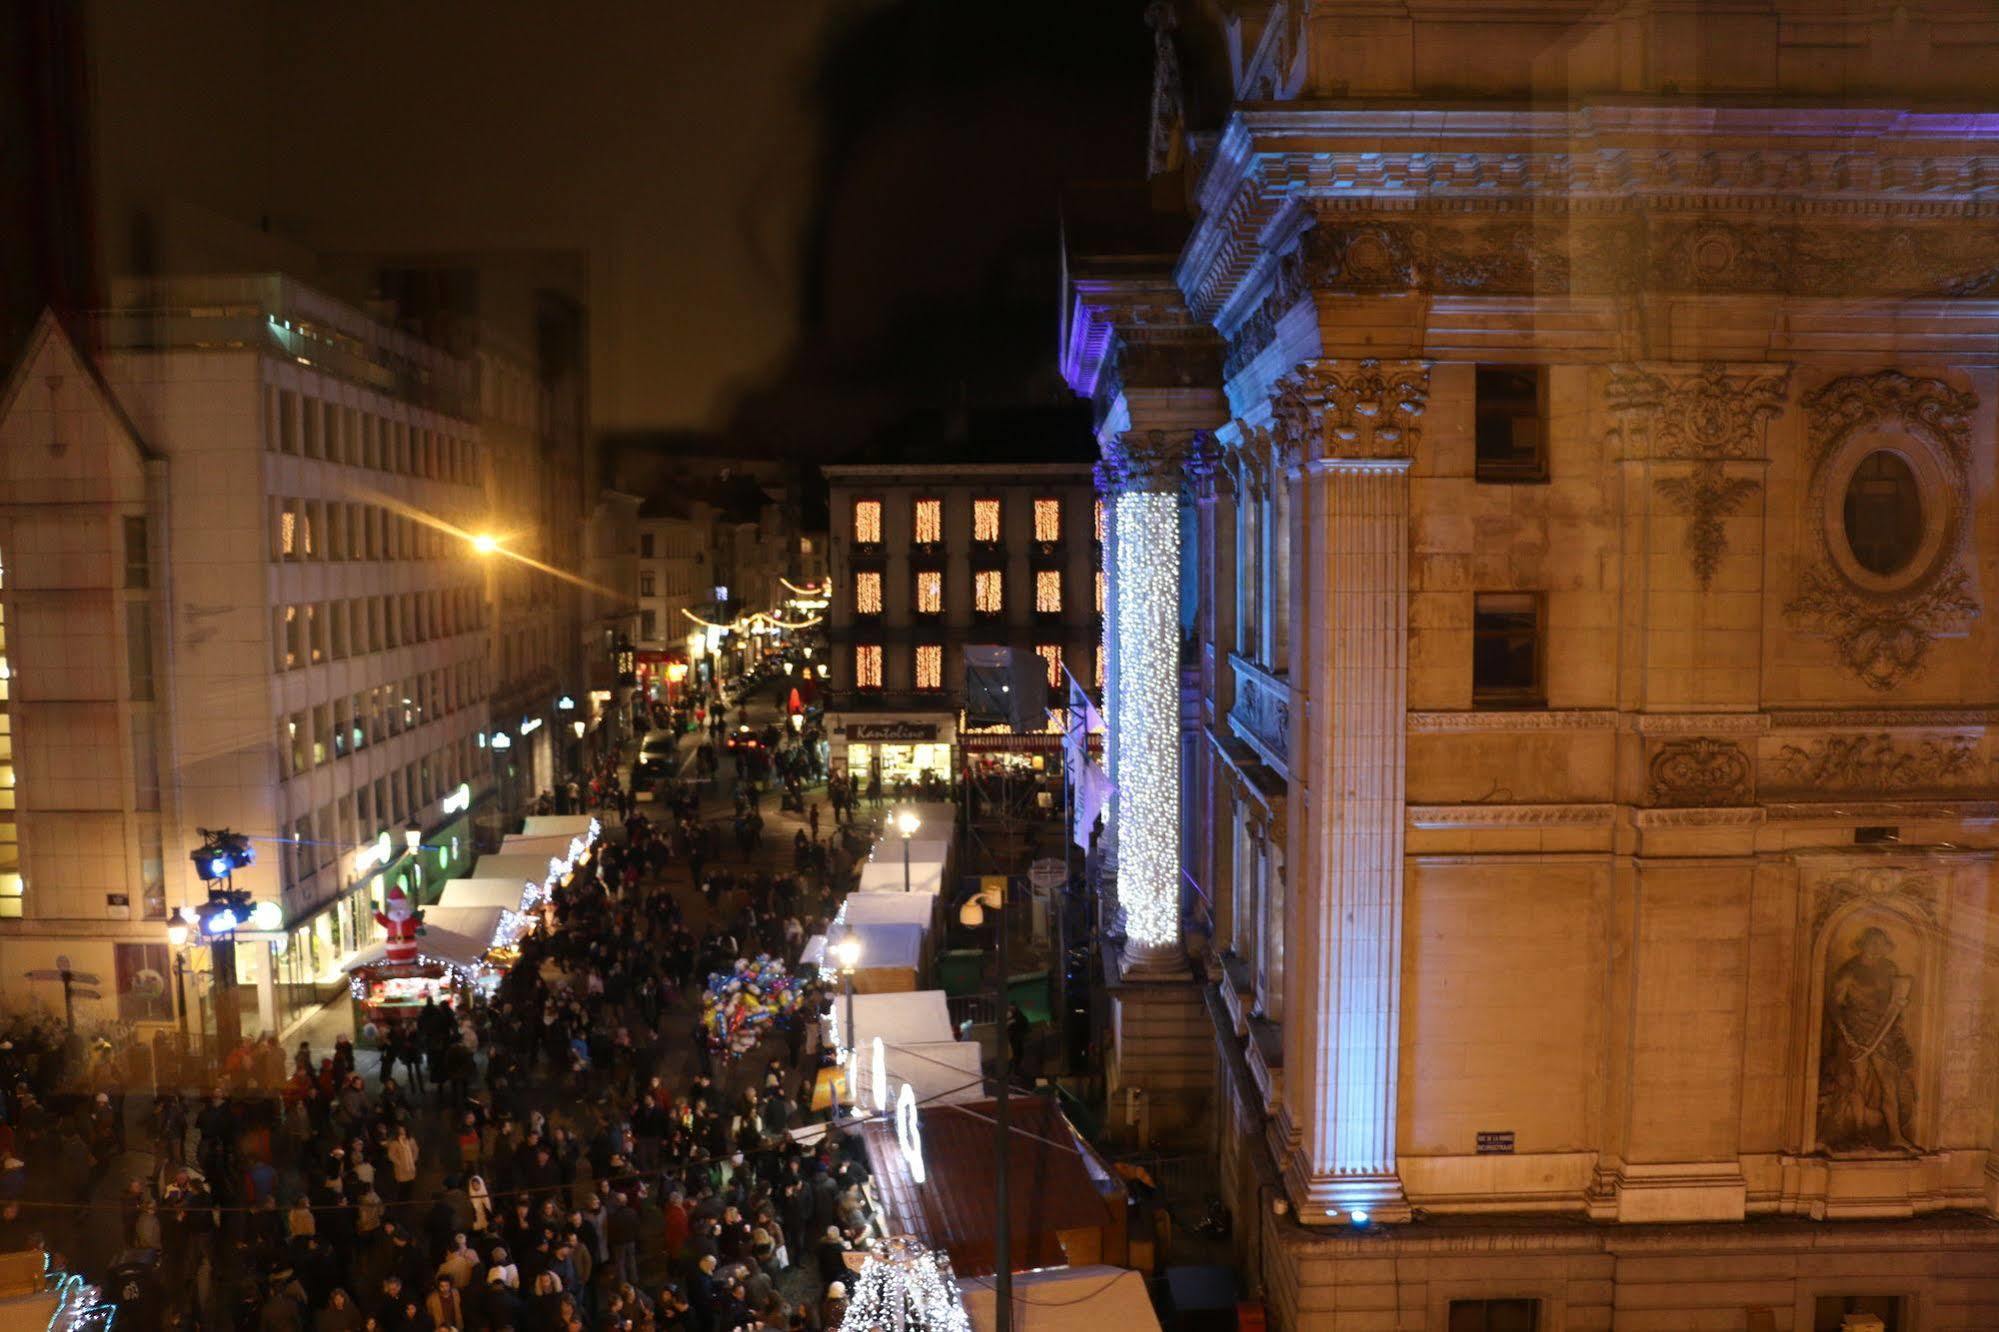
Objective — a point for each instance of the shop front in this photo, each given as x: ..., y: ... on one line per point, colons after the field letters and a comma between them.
x: 912, y: 748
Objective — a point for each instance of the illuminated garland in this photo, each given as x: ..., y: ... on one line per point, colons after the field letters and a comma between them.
x: 790, y: 586
x: 1147, y: 714
x: 742, y: 623
x: 902, y: 1287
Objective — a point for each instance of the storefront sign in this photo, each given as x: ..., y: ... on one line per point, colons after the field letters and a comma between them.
x: 891, y: 732
x: 1492, y: 1143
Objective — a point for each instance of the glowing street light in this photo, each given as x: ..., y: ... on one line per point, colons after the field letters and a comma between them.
x: 485, y: 543
x: 906, y: 823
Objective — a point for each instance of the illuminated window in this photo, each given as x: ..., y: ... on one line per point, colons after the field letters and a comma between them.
x: 929, y: 521
x: 985, y: 520
x: 868, y: 522
x: 288, y: 530
x: 1103, y: 590
x: 1048, y: 520
x: 1097, y: 675
x: 988, y: 592
x: 1052, y: 654
x: 868, y: 593
x: 1048, y: 592
x: 868, y: 666
x: 929, y: 666
x: 929, y: 592
x: 1098, y: 522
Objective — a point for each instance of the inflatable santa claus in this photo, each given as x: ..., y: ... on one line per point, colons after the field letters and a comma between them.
x: 400, y: 919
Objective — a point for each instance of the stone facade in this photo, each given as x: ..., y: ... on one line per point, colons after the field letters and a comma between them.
x: 1594, y: 824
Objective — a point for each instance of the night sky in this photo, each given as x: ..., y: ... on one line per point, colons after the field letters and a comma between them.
x: 796, y: 222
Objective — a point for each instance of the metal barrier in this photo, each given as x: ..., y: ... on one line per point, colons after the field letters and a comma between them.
x: 981, y: 1010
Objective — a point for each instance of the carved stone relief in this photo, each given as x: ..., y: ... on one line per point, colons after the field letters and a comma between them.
x: 1881, y: 630
x: 1350, y: 409
x: 1700, y: 771
x: 1704, y: 497
x: 1878, y: 763
x: 1707, y: 416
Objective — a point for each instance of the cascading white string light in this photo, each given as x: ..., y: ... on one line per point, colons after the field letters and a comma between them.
x: 1147, y: 714
x: 903, y: 1287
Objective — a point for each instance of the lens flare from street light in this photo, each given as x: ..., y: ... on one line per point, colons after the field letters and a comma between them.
x: 485, y: 543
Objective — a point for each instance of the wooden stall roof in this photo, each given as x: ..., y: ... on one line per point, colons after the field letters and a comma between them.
x: 1055, y: 1182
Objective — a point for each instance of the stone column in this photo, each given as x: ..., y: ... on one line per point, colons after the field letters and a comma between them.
x: 1347, y: 434
x: 1144, y: 696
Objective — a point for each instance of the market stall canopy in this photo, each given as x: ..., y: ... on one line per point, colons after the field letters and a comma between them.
x: 461, y: 936
x: 565, y: 849
x: 813, y: 954
x: 926, y: 877
x: 943, y: 1072
x: 897, y: 908
x: 558, y: 825
x: 892, y: 955
x: 924, y: 849
x: 525, y: 866
x: 911, y: 1018
x: 1067, y: 1299
x: 1063, y: 1202
x: 503, y: 893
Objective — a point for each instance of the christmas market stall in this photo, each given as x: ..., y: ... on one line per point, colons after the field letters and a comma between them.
x: 1066, y: 1299
x: 540, y: 873
x: 441, y: 954
x: 935, y: 1174
x: 506, y: 894
x: 563, y: 825
x: 892, y: 956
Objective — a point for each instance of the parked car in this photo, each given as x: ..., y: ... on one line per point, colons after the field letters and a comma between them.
x: 658, y: 757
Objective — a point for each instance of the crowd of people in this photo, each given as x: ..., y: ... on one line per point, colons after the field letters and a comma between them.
x: 567, y: 1152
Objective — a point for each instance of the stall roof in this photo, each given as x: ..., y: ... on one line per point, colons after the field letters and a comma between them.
x: 943, y: 1072
x: 482, y: 892
x: 528, y: 866
x: 1067, y: 1299
x: 557, y: 825
x: 520, y: 844
x: 926, y: 878
x: 1052, y: 1187
x: 911, y: 1017
x: 883, y: 945
x: 921, y: 850
x: 462, y: 935
x: 897, y: 908
x: 814, y: 953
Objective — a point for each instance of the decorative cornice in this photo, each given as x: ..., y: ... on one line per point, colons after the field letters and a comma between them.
x: 1693, y: 723
x: 1884, y: 811
x: 1561, y: 719
x: 1511, y: 816
x: 1740, y: 816
x: 1888, y: 718
x: 1818, y: 167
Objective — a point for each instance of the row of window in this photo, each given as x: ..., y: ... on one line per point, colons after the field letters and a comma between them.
x: 349, y: 724
x: 927, y: 665
x: 320, y: 838
x: 335, y: 630
x: 988, y: 592
x: 926, y: 520
x: 320, y: 530
x: 310, y: 427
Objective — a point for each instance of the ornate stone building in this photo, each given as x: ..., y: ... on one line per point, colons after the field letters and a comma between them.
x: 1582, y: 415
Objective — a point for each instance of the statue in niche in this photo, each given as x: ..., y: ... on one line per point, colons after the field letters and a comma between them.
x: 1867, y: 1084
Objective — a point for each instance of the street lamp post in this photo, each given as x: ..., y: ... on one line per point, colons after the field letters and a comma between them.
x: 972, y: 915
x: 847, y: 952
x: 906, y: 823
x: 177, y: 941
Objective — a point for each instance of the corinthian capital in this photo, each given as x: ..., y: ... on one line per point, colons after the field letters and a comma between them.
x: 1350, y: 409
x: 1152, y: 459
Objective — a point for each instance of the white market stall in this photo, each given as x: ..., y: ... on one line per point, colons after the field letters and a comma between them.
x: 562, y: 825
x: 897, y: 908
x: 507, y: 894
x: 926, y: 878
x: 913, y: 1017
x: 893, y: 956
x: 541, y: 874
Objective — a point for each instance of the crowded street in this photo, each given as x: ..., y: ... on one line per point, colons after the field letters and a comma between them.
x: 575, y: 1152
